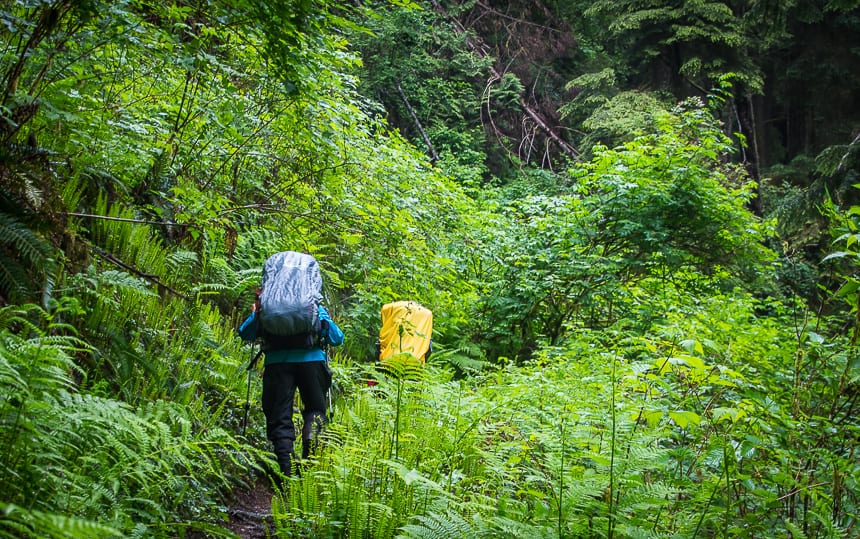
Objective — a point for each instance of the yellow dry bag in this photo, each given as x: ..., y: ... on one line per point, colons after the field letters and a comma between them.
x: 407, y: 328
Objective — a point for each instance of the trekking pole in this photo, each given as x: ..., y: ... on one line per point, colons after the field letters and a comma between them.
x: 328, y: 366
x: 251, y: 362
x: 328, y: 392
x: 330, y: 409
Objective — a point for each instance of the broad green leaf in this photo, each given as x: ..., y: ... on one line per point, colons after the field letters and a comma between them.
x: 683, y: 419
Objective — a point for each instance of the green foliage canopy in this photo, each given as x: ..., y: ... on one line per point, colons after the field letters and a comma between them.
x: 665, y: 203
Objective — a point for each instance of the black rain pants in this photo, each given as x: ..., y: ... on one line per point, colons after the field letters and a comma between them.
x: 280, y: 381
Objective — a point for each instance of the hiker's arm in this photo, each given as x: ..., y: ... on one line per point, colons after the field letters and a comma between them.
x: 333, y: 335
x: 248, y: 329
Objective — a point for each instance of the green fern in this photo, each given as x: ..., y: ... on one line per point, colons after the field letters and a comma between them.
x: 795, y: 530
x: 527, y: 451
x: 441, y: 526
x: 404, y: 367
x: 85, y: 465
x: 17, y: 522
x: 512, y: 528
x: 226, y: 285
x: 26, y: 260
x: 466, y: 359
x: 182, y: 267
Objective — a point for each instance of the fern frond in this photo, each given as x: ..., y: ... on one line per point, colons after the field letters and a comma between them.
x: 508, y: 528
x: 256, y: 245
x: 182, y: 267
x: 217, y: 275
x: 210, y: 288
x: 38, y: 524
x: 121, y: 280
x: 795, y: 530
x: 25, y: 259
x: 464, y: 359
x: 30, y: 247
x: 20, y: 317
x: 404, y: 366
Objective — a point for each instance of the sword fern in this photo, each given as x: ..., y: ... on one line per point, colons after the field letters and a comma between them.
x: 26, y: 262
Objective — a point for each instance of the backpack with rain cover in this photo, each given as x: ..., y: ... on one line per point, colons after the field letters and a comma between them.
x: 407, y: 328
x: 290, y: 294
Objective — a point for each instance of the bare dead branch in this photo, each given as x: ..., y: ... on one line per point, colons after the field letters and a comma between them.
x: 433, y: 155
x: 481, y: 50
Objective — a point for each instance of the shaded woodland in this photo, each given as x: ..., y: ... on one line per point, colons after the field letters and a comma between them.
x: 635, y: 222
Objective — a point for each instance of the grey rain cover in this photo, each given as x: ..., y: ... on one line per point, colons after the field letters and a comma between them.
x: 291, y: 290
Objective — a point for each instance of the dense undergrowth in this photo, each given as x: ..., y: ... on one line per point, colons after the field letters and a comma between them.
x: 622, y: 347
x: 708, y: 424
x: 78, y: 462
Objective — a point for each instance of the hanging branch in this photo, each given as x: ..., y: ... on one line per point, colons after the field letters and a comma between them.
x: 433, y: 155
x: 117, y: 262
x: 481, y: 50
x: 128, y: 220
x: 151, y: 278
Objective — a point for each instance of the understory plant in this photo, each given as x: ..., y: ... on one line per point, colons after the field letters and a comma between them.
x: 79, y: 464
x: 699, y: 426
x: 524, y: 451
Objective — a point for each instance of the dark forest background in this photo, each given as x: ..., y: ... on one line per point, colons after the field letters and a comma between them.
x: 635, y: 222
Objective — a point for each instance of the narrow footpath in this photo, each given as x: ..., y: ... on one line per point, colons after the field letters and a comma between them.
x: 250, y: 515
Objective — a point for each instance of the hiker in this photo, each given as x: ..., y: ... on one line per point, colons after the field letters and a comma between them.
x: 291, y: 367
x: 407, y: 328
x: 406, y: 335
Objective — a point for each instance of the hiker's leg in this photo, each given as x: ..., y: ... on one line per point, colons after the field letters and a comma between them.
x: 313, y: 387
x: 314, y: 421
x: 279, y: 389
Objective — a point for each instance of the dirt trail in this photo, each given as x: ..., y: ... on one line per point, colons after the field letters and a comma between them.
x: 251, y: 514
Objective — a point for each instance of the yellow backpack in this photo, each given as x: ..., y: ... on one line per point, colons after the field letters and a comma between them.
x: 407, y: 328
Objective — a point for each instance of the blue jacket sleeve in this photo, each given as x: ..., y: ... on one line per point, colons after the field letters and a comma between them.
x: 248, y: 329
x: 334, y: 335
